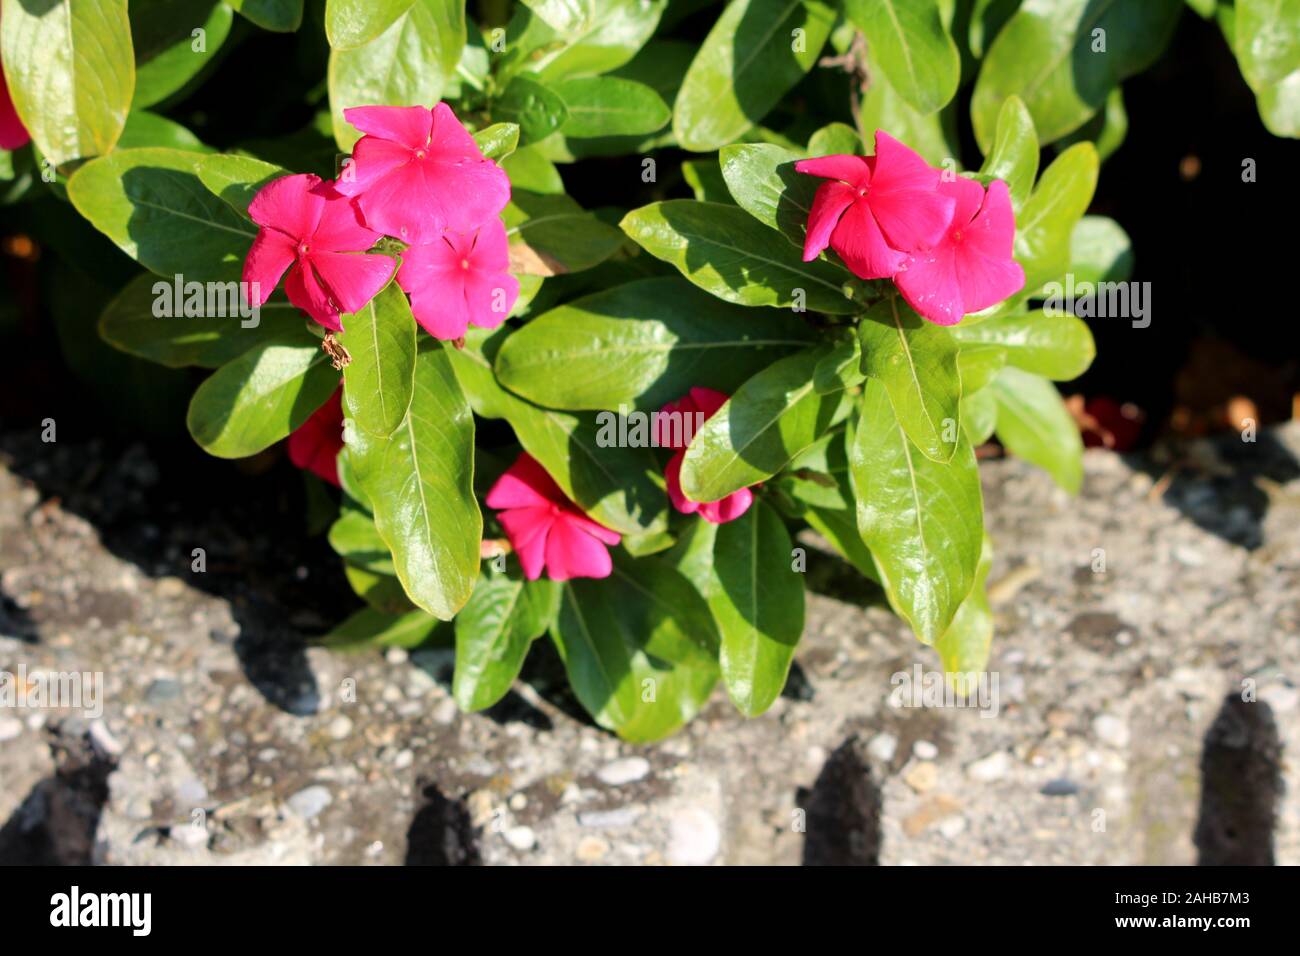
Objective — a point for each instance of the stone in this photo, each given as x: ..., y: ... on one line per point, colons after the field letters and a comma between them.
x: 310, y: 801
x: 922, y: 777
x: 1111, y: 730
x: 623, y: 771
x: 591, y: 849
x: 987, y: 769
x: 521, y: 837
x: 883, y: 747
x: 693, y: 837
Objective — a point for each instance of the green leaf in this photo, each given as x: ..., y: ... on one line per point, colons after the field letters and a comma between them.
x: 1046, y: 221
x: 407, y: 64
x: 835, y: 139
x: 724, y: 251
x: 383, y: 592
x: 534, y: 107
x: 552, y: 235
x: 916, y: 361
x: 1063, y: 57
x: 610, y: 106
x: 149, y: 129
x: 615, y: 486
x: 236, y: 179
x: 642, y: 344
x: 420, y: 482
x: 251, y: 403
x: 1034, y: 424
x: 494, y: 632
x: 933, y: 135
x: 763, y: 181
x: 532, y: 172
x: 1100, y: 251
x: 369, y: 628
x: 354, y: 23
x: 380, y: 379
x: 354, y: 538
x: 1106, y: 130
x: 70, y: 71
x: 638, y: 648
x: 759, y: 607
x: 841, y: 368
x: 498, y: 141
x: 923, y: 521
x: 582, y: 37
x: 1057, y: 346
x: 745, y: 66
x: 163, y: 33
x: 1014, y: 156
x: 964, y: 647
x: 206, y: 338
x: 1267, y: 44
x: 978, y: 364
x: 279, y: 16
x: 979, y: 416
x: 911, y: 45
x: 770, y: 419
x: 151, y: 203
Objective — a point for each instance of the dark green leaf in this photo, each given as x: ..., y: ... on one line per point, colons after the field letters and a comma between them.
x: 493, y: 633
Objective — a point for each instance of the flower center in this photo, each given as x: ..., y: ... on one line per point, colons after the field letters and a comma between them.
x: 862, y: 191
x: 302, y: 249
x: 464, y: 263
x: 419, y: 154
x: 956, y: 236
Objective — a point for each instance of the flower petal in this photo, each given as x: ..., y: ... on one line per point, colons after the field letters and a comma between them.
x: 340, y: 228
x: 527, y: 470
x: 729, y: 508
x: 929, y: 285
x: 315, y: 444
x: 853, y: 170
x: 911, y: 219
x: 353, y: 278
x: 673, y: 480
x: 572, y: 553
x: 708, y: 401
x: 289, y: 204
x: 898, y: 166
x: 985, y: 282
x: 596, y: 530
x: 408, y: 125
x: 270, y: 255
x: 829, y: 203
x: 440, y: 306
x: 528, y: 529
x: 372, y: 159
x: 13, y: 134
x: 307, y: 294
x: 992, y: 230
x: 858, y: 240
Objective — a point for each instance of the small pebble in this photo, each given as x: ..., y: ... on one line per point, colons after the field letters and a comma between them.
x: 694, y: 838
x: 626, y: 770
x: 310, y: 801
x: 883, y: 746
x: 521, y: 838
x: 987, y: 769
x: 925, y: 750
x: 1111, y: 731
x: 10, y: 727
x: 922, y: 776
x: 1059, y: 788
x: 592, y: 849
x: 340, y: 727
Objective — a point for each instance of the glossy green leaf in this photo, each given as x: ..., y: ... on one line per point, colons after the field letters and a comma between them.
x: 916, y: 361
x: 144, y: 129
x: 494, y: 632
x: 724, y: 251
x: 1047, y: 219
x: 615, y: 486
x: 1058, y: 346
x: 933, y: 135
x: 532, y: 172
x: 1267, y: 44
x: 1063, y: 57
x: 641, y: 344
x: 137, y: 322
x: 236, y: 179
x: 353, y: 23
x: 534, y: 107
x: 759, y: 607
x: 498, y: 141
x: 420, y: 481
x: 383, y: 592
x: 369, y: 628
x: 610, y: 106
x: 354, y: 538
x: 379, y: 381
x: 552, y: 235
x: 923, y: 521
x: 279, y: 16
x: 1100, y: 251
x: 910, y: 43
x: 835, y: 139
x: 704, y: 176
x: 979, y: 416
x: 253, y: 402
x: 582, y: 37
x: 151, y: 203
x: 746, y: 64
x: 841, y: 368
x: 770, y: 419
x: 1106, y: 130
x: 407, y: 64
x: 1034, y: 424
x: 1013, y: 157
x: 964, y: 647
x: 763, y: 181
x: 70, y: 71
x: 639, y: 648
x: 169, y: 50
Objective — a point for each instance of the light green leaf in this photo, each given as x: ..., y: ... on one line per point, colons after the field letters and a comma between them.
x: 494, y: 632
x: 979, y: 416
x: 236, y: 179
x: 534, y: 107
x: 763, y: 181
x: 532, y: 172
x: 1063, y: 57
x: 1014, y: 156
x: 151, y: 203
x: 70, y: 71
x: 746, y: 64
x: 1034, y: 424
x: 163, y: 33
x: 769, y: 420
x: 964, y: 647
x: 841, y: 368
x: 835, y: 139
x: 1046, y: 221
x: 916, y: 361
x: 498, y: 141
x: 582, y: 37
x: 354, y: 538
x: 209, y: 338
x: 420, y: 482
x: 1100, y: 251
x: 923, y: 521
x: 379, y: 381
x: 610, y: 106
x: 1057, y: 346
x: 149, y: 129
x: 642, y: 344
x: 1267, y: 44
x: 933, y: 135
x: 552, y: 235
x: 354, y: 23
x: 369, y: 628
x: 724, y: 251
x: 911, y: 45
x: 251, y: 403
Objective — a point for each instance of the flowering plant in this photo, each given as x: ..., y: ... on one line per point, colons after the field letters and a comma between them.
x: 619, y: 427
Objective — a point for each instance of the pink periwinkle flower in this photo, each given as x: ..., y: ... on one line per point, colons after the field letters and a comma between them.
x: 13, y: 134
x: 546, y: 529
x: 418, y: 172
x: 971, y: 267
x: 312, y: 231
x: 697, y: 406
x: 460, y: 279
x: 874, y: 210
x: 315, y: 444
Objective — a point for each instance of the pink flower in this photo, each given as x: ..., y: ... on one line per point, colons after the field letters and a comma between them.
x: 316, y: 443
x: 418, y: 172
x: 460, y: 279
x: 308, y: 226
x: 675, y: 426
x: 13, y: 134
x: 971, y: 267
x: 545, y: 528
x: 875, y: 209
